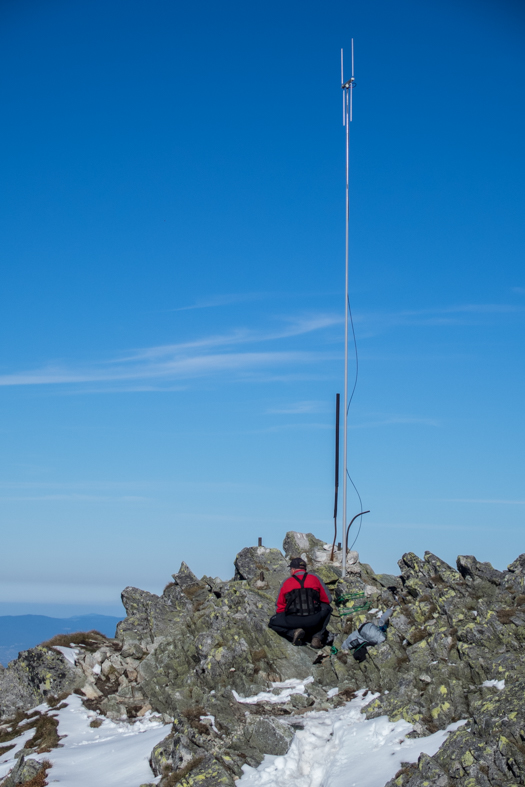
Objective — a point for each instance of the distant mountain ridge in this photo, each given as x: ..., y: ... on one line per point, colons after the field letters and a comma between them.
x: 20, y: 632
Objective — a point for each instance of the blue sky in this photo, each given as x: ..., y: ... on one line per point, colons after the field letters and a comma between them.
x: 172, y: 300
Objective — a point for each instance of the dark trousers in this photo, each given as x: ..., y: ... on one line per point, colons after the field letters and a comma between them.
x: 285, y: 625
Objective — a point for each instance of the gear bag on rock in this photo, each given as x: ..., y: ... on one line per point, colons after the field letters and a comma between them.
x: 302, y: 601
x: 371, y: 633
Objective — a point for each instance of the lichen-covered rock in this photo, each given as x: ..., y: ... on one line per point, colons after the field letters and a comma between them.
x: 206, y: 771
x: 24, y: 771
x: 262, y: 568
x: 36, y: 674
x: 468, y: 566
x: 518, y: 565
x: 488, y: 750
x: 318, y: 553
x: 269, y: 736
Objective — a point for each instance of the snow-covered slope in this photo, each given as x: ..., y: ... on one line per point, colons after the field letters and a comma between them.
x: 342, y: 748
x: 115, y: 754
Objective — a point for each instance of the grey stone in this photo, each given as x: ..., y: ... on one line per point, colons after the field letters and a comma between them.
x: 518, y: 565
x: 24, y: 771
x: 252, y: 561
x: 388, y: 580
x: 270, y: 736
x: 468, y: 566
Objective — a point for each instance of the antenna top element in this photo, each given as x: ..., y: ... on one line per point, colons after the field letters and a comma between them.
x: 347, y: 88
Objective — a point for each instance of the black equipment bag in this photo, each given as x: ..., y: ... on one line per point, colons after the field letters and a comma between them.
x: 302, y: 601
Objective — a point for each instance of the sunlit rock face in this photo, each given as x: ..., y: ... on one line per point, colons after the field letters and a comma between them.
x: 201, y: 652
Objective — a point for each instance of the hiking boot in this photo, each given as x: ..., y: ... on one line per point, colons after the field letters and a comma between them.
x: 317, y: 642
x: 298, y: 637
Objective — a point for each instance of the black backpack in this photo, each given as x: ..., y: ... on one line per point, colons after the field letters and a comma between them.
x: 302, y: 601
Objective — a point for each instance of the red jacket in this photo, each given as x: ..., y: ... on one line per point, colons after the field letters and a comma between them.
x: 289, y: 584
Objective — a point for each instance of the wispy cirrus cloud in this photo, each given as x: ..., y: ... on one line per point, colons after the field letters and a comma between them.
x: 160, y: 366
x: 396, y: 419
x: 75, y: 499
x: 222, y: 300
x: 298, y: 408
x: 459, y: 314
x: 496, y: 501
x: 210, y: 355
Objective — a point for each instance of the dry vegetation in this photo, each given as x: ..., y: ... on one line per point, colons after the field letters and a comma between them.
x: 46, y: 735
x: 505, y: 615
x: 40, y: 780
x: 169, y: 779
x: 21, y: 722
x: 91, y: 640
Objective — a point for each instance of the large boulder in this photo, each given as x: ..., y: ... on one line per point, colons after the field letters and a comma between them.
x: 318, y: 553
x: 36, y: 674
x: 471, y: 568
x: 263, y: 568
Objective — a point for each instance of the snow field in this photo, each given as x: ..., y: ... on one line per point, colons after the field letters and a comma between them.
x: 336, y: 748
x: 116, y: 754
x: 341, y: 748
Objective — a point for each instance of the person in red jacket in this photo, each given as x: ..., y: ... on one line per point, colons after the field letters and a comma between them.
x: 303, y: 607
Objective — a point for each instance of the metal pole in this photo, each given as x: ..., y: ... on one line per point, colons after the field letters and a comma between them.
x: 336, y: 496
x: 345, y: 429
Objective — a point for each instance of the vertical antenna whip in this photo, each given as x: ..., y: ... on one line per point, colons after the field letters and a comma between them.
x: 347, y: 88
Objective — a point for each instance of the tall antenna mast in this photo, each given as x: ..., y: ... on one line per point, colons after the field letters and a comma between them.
x: 347, y: 88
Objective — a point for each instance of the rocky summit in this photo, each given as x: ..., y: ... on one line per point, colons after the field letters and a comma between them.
x: 195, y: 654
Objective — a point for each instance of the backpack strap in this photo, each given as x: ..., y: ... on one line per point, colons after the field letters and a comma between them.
x: 300, y: 581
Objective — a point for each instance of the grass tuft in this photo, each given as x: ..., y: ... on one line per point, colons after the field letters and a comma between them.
x: 170, y: 779
x: 53, y: 701
x: 505, y: 615
x: 91, y: 640
x: 193, y: 716
x: 46, y: 735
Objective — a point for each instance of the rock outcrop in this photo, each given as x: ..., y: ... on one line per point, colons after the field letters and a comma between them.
x: 36, y: 674
x: 195, y: 653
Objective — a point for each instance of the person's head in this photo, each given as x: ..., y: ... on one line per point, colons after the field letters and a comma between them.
x: 296, y: 564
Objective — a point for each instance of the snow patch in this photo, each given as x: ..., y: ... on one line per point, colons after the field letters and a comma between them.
x: 499, y: 684
x: 341, y: 748
x: 211, y: 719
x: 289, y: 687
x: 70, y: 654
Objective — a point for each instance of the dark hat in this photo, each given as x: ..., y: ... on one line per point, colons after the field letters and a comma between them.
x: 297, y: 562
